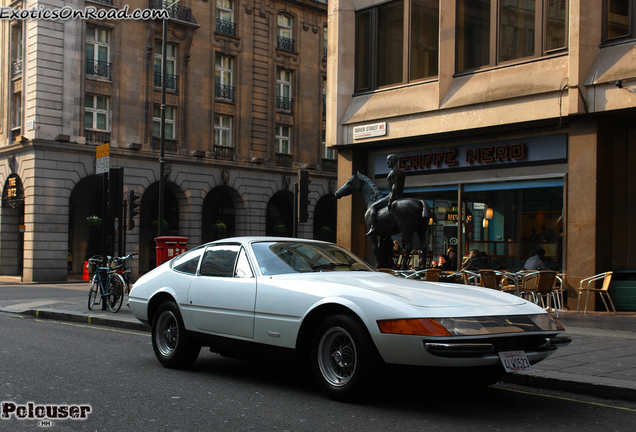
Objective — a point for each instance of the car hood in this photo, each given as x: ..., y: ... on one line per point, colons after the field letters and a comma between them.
x: 414, y: 292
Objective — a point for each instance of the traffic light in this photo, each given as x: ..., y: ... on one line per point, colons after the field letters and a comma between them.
x: 303, y: 198
x: 133, y: 208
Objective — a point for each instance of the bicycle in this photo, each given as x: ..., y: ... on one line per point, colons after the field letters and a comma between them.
x: 107, y: 283
x: 125, y: 273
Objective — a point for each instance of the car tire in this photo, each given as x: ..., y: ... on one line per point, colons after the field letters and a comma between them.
x: 173, y: 347
x: 343, y: 359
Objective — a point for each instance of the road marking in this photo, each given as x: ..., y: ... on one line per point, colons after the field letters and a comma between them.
x: 566, y: 399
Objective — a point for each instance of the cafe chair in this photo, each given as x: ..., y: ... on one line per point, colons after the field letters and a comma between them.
x: 490, y: 279
x: 430, y: 275
x: 470, y: 278
x: 541, y: 285
x: 584, y: 285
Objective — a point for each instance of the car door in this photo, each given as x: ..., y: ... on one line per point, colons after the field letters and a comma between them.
x: 222, y: 296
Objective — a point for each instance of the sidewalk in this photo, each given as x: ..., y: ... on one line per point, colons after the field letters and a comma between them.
x: 600, y: 361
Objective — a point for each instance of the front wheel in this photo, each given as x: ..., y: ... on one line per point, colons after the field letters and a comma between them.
x: 93, y: 293
x: 116, y: 290
x: 343, y: 360
x: 173, y: 347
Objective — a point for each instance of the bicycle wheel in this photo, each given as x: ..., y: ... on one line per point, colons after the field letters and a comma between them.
x: 116, y: 292
x: 93, y: 293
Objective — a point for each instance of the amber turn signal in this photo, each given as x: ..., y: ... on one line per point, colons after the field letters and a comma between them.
x: 419, y: 327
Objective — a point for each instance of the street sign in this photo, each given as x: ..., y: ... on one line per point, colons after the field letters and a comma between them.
x: 102, y: 158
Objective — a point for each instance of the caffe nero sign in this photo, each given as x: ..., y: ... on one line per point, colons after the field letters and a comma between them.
x: 496, y: 154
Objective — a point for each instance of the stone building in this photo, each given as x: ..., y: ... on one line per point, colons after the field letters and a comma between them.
x: 514, y: 120
x: 245, y: 111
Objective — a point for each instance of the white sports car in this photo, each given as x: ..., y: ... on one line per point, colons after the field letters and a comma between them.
x: 316, y: 303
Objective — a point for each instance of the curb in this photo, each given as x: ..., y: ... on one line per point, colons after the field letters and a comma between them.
x: 101, y: 320
x: 570, y: 384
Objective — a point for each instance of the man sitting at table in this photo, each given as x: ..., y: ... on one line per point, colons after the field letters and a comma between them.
x: 536, y: 262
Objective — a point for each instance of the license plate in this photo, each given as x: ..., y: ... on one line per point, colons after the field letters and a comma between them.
x: 515, y: 361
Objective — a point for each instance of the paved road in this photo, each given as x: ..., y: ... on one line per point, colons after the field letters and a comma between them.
x: 115, y: 372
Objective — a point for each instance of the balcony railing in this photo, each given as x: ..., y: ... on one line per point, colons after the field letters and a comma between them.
x: 96, y: 137
x: 283, y: 159
x: 99, y: 69
x: 16, y: 67
x: 225, y: 27
x: 106, y: 2
x: 172, y: 145
x: 224, y: 92
x: 330, y: 165
x: 324, y: 53
x: 176, y: 12
x: 285, y: 44
x: 172, y: 81
x: 224, y: 152
x: 284, y: 104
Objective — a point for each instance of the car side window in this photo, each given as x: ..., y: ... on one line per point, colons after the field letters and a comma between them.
x: 188, y: 262
x: 243, y: 269
x: 219, y: 261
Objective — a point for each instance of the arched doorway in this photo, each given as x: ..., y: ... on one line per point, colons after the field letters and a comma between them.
x: 280, y: 215
x: 219, y: 214
x: 85, y: 222
x: 325, y: 218
x: 12, y: 227
x: 148, y: 221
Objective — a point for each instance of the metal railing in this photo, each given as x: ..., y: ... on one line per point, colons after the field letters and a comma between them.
x: 16, y: 67
x: 176, y: 12
x: 172, y: 81
x: 225, y: 27
x: 106, y: 2
x: 96, y: 136
x: 99, y: 69
x: 330, y: 165
x: 224, y: 92
x: 283, y: 159
x: 284, y: 104
x: 285, y: 44
x: 223, y: 152
x: 172, y: 145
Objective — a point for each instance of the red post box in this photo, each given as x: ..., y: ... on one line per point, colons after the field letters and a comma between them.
x: 169, y: 247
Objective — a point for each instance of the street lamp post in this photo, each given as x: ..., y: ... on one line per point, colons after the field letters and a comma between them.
x: 162, y: 132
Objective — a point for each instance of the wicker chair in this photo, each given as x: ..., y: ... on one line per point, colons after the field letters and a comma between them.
x: 603, y: 290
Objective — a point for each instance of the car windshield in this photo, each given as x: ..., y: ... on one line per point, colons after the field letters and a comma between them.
x: 298, y: 257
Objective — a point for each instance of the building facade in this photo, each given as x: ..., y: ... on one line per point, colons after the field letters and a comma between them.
x: 513, y: 119
x: 245, y: 89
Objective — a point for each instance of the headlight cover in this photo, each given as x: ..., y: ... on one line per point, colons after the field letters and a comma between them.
x: 471, y: 326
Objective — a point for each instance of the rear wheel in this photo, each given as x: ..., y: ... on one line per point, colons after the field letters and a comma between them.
x: 93, y: 293
x: 343, y: 359
x: 116, y: 297
x: 173, y: 347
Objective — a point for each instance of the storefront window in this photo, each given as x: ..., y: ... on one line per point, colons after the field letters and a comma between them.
x: 508, y: 221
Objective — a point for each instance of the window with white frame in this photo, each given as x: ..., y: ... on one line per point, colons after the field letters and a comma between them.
x: 284, y: 90
x: 98, y: 52
x: 284, y: 31
x: 283, y: 139
x: 170, y: 128
x: 324, y: 97
x: 324, y: 43
x: 225, y: 17
x: 97, y: 112
x: 223, y: 131
x: 16, y: 61
x: 327, y: 152
x: 17, y: 111
x: 171, y: 65
x: 223, y: 78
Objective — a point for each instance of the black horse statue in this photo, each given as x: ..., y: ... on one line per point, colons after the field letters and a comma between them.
x: 407, y: 216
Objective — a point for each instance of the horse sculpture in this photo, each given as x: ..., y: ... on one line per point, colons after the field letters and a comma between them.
x: 407, y: 216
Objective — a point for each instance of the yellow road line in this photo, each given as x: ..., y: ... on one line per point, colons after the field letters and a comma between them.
x: 566, y: 399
